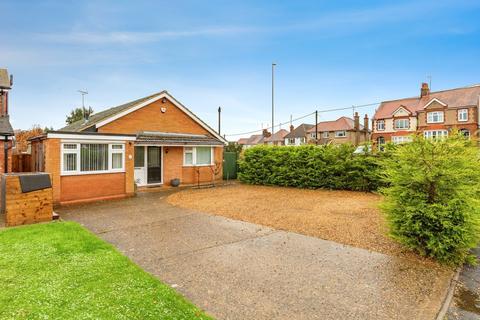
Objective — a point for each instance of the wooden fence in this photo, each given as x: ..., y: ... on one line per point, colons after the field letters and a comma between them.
x: 22, y: 162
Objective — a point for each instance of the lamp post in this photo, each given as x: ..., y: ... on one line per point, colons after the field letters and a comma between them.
x: 273, y: 96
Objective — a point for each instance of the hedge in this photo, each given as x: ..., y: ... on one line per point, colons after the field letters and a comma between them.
x: 309, y: 166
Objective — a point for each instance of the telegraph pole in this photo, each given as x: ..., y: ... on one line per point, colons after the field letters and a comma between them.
x: 273, y: 96
x: 219, y: 116
x: 316, y: 127
x: 83, y: 93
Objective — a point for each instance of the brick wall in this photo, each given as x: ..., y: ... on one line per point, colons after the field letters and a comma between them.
x: 2, y: 157
x: 92, y: 187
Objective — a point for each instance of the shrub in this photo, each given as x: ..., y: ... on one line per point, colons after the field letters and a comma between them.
x: 330, y: 167
x: 432, y: 201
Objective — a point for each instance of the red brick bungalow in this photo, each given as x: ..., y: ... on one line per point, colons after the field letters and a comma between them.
x: 146, y: 142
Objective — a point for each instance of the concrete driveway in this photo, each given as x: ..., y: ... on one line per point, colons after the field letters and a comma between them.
x: 238, y: 270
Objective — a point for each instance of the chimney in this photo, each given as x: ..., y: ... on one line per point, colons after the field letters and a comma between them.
x: 356, y: 122
x: 265, y: 133
x: 425, y: 90
x: 365, y: 123
x: 292, y: 128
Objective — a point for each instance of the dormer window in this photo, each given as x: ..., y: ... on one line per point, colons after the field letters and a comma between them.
x: 402, y: 124
x: 435, y: 117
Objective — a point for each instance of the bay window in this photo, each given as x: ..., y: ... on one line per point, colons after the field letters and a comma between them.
x: 401, y: 139
x: 435, y: 117
x: 82, y: 158
x: 197, y: 156
x: 435, y: 134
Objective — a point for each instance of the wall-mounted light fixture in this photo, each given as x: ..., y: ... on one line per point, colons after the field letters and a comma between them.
x: 164, y: 100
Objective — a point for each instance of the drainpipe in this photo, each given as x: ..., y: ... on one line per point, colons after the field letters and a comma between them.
x: 5, y: 154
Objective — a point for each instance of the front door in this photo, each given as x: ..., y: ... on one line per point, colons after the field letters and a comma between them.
x: 154, y: 164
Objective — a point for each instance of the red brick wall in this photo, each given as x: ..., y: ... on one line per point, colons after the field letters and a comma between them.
x: 2, y: 157
x: 92, y: 186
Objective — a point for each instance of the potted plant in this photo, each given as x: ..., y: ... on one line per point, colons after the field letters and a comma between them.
x: 175, y: 182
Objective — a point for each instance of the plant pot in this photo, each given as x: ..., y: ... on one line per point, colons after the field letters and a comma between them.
x: 175, y: 182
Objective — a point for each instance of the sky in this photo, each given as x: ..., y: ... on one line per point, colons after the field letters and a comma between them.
x: 329, y: 55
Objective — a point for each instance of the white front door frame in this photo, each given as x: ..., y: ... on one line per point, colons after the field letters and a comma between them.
x: 143, y: 176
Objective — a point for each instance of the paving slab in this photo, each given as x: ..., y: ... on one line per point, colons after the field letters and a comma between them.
x: 238, y: 270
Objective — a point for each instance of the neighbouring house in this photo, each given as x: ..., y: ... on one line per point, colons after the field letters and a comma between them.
x: 432, y: 114
x: 6, y: 130
x: 277, y: 139
x: 256, y: 139
x: 298, y: 136
x: 147, y: 142
x: 242, y: 141
x: 342, y: 130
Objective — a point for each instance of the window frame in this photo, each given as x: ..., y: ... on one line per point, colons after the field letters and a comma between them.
x: 428, y: 134
x: 438, y: 113
x: 407, y: 121
x: 460, y: 112
x: 401, y: 139
x: 325, y: 134
x: 78, y: 163
x: 194, y: 156
x: 378, y: 125
x: 344, y: 134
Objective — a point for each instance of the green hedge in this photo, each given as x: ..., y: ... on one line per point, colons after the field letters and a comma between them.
x: 432, y: 202
x: 330, y: 167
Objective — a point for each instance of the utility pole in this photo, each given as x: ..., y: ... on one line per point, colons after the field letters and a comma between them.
x: 273, y: 96
x: 316, y: 127
x: 219, y: 118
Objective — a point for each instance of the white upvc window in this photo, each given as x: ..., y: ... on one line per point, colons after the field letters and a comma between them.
x: 435, y: 134
x: 90, y: 158
x: 380, y: 125
x: 340, y: 134
x: 401, y: 139
x: 291, y: 140
x: 435, y: 117
x: 197, y: 156
x: 325, y: 134
x: 463, y: 115
x: 402, y: 124
x: 312, y: 135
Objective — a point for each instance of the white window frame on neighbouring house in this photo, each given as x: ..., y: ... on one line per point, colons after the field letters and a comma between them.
x: 402, y: 124
x: 312, y: 135
x: 380, y: 125
x: 435, y: 117
x: 193, y: 151
x: 74, y: 149
x: 291, y: 140
x: 435, y: 134
x: 340, y: 134
x: 401, y: 139
x: 325, y: 134
x: 462, y: 115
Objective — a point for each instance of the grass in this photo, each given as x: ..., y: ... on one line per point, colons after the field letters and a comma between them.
x: 62, y: 271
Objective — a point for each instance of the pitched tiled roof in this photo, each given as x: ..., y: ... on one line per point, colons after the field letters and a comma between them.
x: 242, y: 141
x: 5, y: 126
x: 277, y: 136
x: 4, y: 79
x: 176, y: 139
x: 454, y: 98
x: 299, y: 131
x: 254, y: 140
x: 102, y: 115
x: 342, y: 123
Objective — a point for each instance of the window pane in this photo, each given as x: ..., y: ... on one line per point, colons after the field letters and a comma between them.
x: 94, y: 157
x: 188, y: 158
x: 204, y: 155
x: 70, y: 146
x: 117, y: 160
x: 139, y: 157
x: 117, y: 146
x: 69, y: 162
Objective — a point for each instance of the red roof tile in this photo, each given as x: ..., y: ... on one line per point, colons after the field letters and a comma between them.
x: 277, y: 136
x: 342, y: 123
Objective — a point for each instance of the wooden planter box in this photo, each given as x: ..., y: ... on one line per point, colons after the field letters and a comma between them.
x: 23, y: 206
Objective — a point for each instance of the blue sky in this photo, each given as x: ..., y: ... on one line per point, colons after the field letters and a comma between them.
x: 219, y: 53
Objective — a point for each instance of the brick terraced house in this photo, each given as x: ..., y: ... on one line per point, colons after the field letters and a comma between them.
x: 432, y: 114
x: 147, y: 142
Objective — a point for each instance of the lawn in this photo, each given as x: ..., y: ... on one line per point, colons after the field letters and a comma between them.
x: 62, y: 271
x: 346, y: 217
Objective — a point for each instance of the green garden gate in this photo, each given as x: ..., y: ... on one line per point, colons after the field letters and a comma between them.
x: 229, y: 165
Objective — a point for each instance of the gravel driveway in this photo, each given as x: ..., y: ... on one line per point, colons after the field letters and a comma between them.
x: 239, y: 270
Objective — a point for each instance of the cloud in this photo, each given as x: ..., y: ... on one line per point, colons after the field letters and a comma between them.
x: 119, y: 37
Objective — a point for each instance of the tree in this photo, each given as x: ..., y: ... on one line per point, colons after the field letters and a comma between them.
x: 78, y: 114
x: 432, y: 203
x: 22, y: 136
x: 233, y: 147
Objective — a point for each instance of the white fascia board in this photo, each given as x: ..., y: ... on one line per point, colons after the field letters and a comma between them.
x: 89, y: 137
x: 401, y: 108
x: 435, y: 100
x: 171, y: 99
